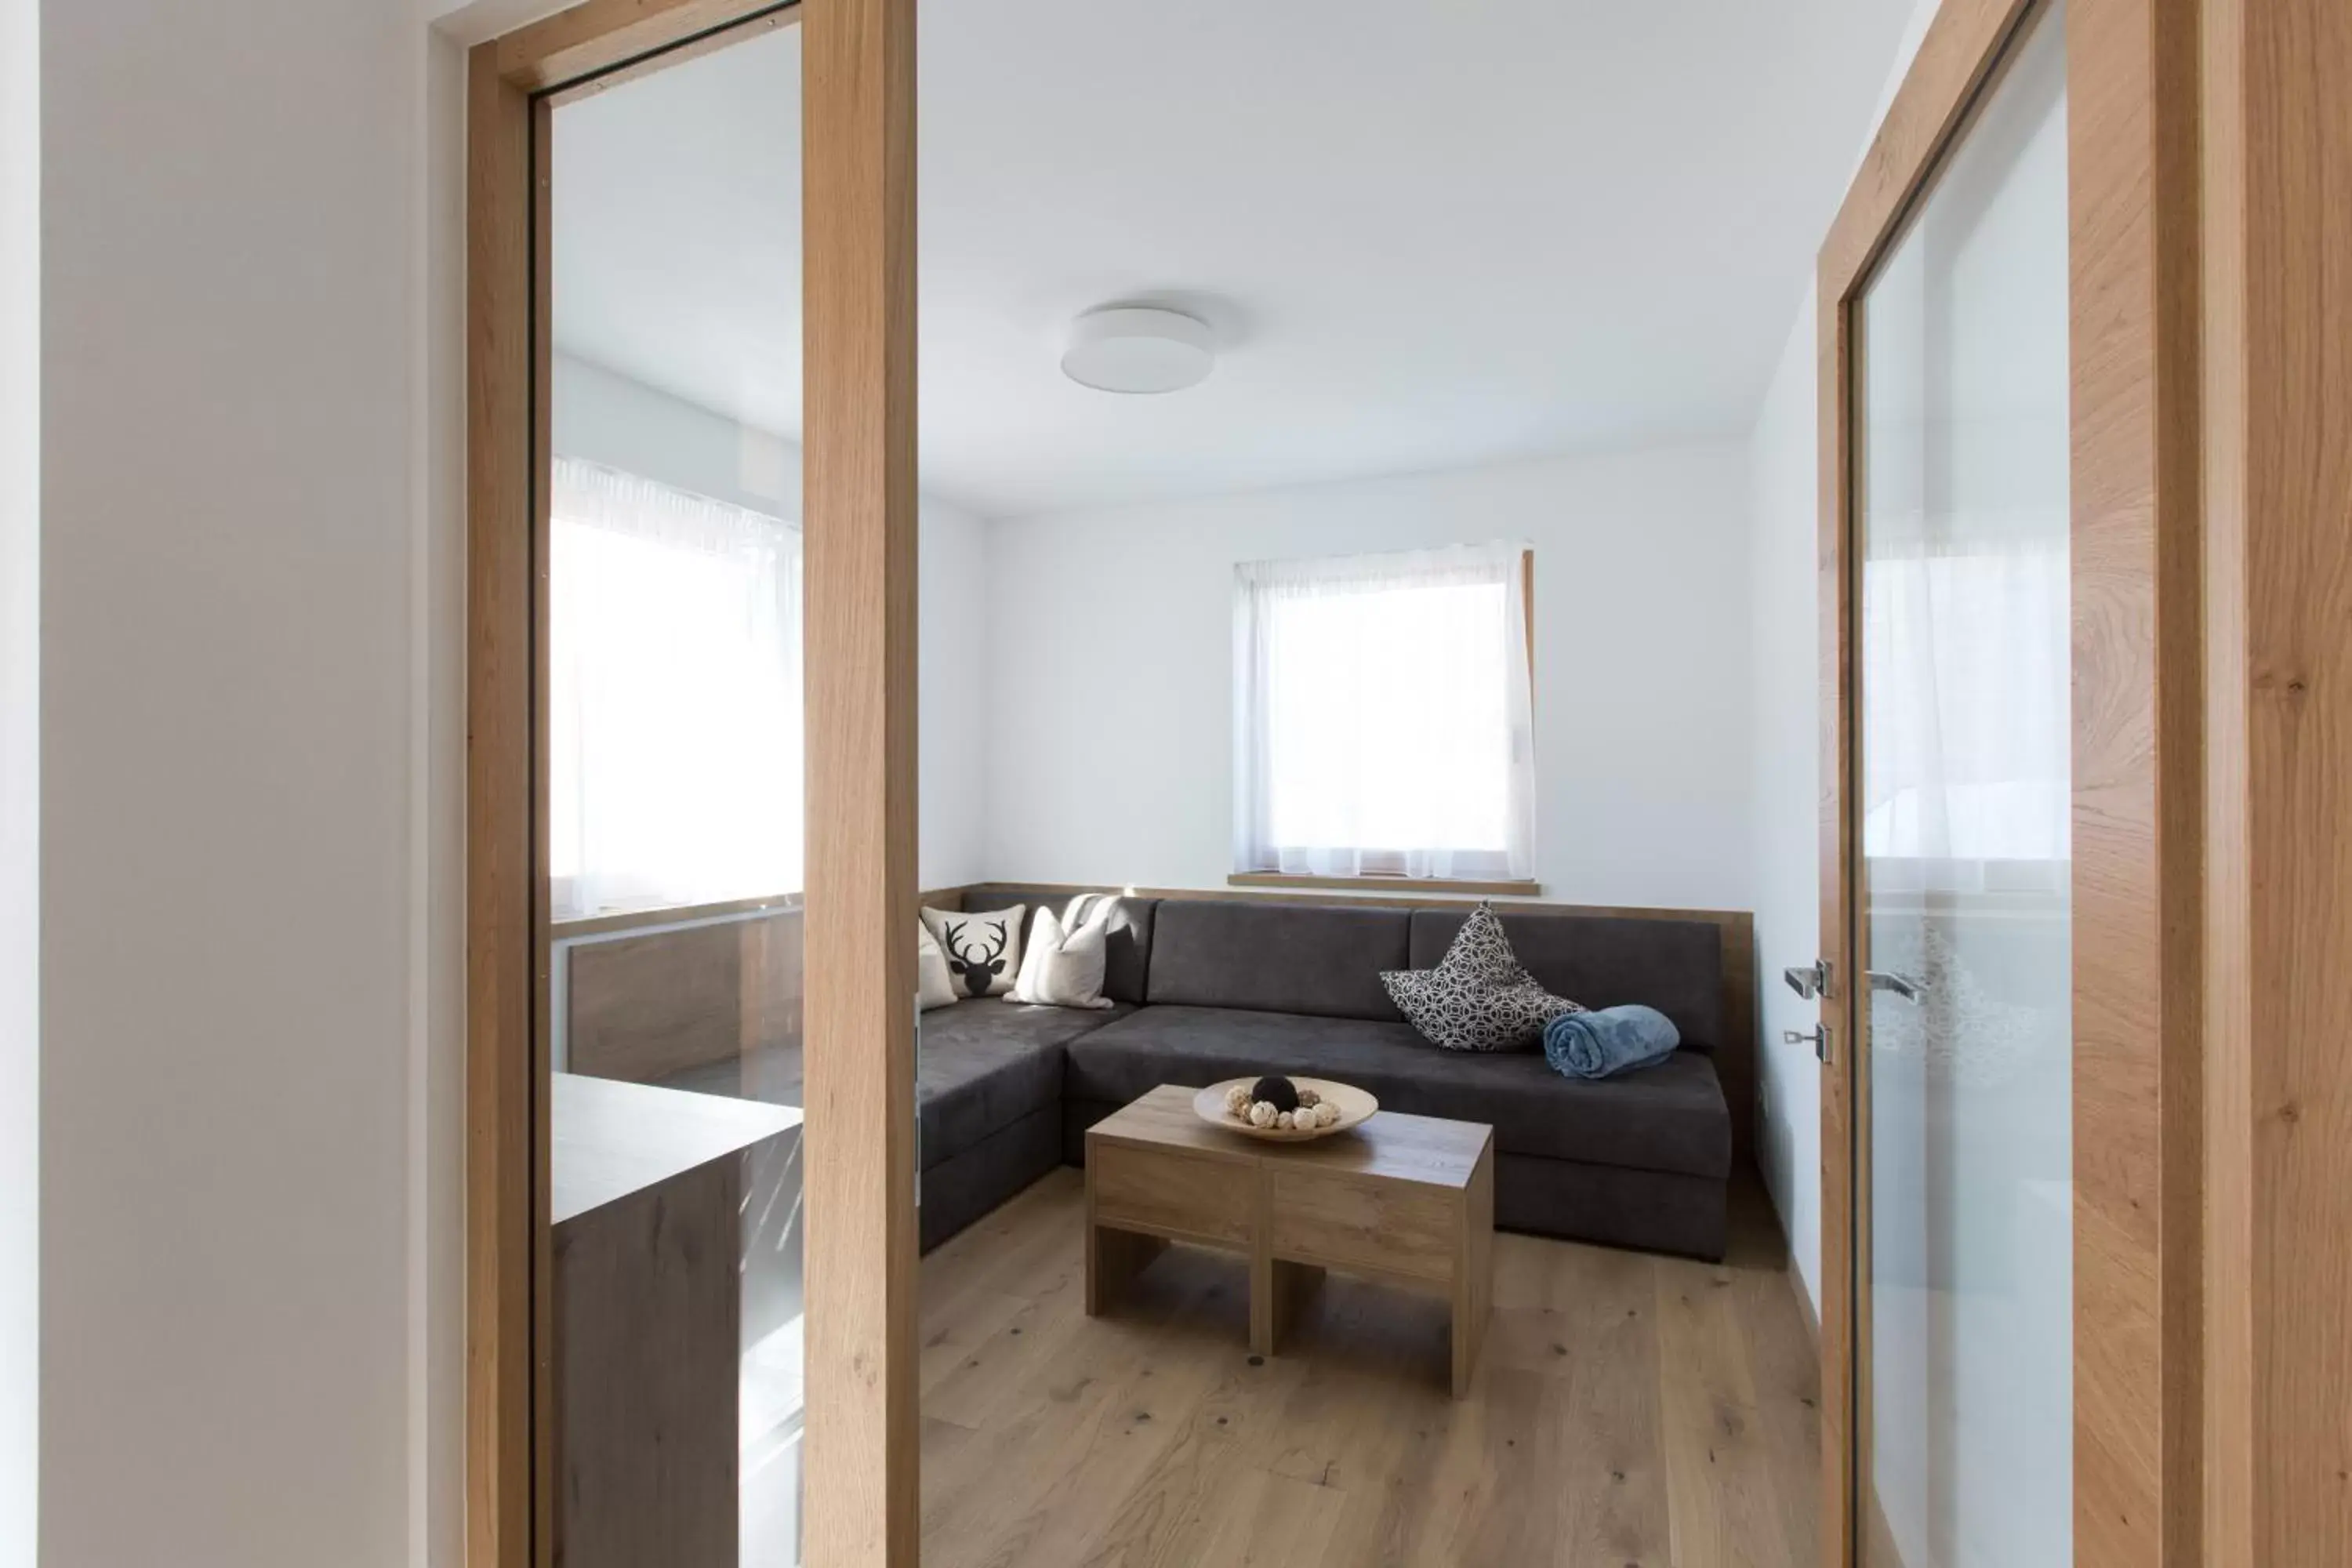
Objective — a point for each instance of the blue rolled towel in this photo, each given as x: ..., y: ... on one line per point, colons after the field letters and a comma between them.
x: 1611, y: 1041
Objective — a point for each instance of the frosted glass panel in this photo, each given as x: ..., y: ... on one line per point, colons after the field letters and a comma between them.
x: 1964, y: 445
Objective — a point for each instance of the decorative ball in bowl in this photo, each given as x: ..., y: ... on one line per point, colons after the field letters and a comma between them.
x: 1284, y: 1109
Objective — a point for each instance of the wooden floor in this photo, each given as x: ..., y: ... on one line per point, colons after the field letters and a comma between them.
x: 1627, y: 1410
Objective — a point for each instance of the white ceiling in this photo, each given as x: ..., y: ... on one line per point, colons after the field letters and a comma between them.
x: 1429, y: 234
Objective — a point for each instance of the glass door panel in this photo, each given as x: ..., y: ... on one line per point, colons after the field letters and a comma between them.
x: 1965, y: 1231
x: 675, y: 818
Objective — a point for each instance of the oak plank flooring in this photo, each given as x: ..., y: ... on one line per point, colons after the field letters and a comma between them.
x: 1627, y: 1410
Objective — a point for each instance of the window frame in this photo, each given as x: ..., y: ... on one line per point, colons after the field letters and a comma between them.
x: 1484, y: 877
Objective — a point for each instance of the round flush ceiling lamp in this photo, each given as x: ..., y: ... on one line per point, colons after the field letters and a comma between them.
x: 1138, y: 349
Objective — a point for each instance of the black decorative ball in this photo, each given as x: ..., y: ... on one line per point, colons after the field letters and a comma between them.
x: 1279, y: 1092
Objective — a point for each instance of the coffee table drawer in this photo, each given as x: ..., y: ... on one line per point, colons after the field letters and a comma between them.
x: 1163, y: 1191
x: 1376, y: 1226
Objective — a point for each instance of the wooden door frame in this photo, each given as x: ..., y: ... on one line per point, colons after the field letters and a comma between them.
x: 2132, y: 72
x: 861, y: 1507
x: 2276, y: 308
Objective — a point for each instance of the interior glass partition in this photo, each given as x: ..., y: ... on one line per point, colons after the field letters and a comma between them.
x: 1965, y: 1243
x: 674, y: 778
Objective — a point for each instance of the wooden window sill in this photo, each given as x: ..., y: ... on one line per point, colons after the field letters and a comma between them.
x: 1386, y: 884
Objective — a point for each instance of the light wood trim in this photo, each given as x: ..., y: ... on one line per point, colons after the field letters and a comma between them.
x: 1380, y: 885
x: 1961, y: 48
x: 860, y: 1490
x: 1840, y: 1135
x: 546, y: 1458
x: 602, y: 34
x: 1404, y: 898
x: 2131, y: 85
x: 1528, y: 616
x: 677, y: 914
x: 785, y: 15
x: 2233, y: 1363
x: 2277, y: 96
x: 499, y: 1119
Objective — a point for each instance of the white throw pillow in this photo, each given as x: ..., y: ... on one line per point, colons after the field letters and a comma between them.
x: 984, y: 949
x: 935, y: 982
x: 1062, y: 965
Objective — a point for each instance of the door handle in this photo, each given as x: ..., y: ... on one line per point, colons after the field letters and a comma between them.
x: 1818, y: 1039
x: 1810, y: 980
x: 1902, y: 986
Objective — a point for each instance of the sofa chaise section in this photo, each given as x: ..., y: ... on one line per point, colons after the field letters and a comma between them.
x: 988, y: 1092
x: 989, y: 1083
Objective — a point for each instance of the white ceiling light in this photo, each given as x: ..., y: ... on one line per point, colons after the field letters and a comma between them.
x: 1138, y: 349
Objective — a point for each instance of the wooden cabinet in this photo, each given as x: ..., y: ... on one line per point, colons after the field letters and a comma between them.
x: 647, y: 1306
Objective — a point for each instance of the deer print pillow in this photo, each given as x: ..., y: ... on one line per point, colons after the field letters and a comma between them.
x: 934, y: 983
x: 984, y: 947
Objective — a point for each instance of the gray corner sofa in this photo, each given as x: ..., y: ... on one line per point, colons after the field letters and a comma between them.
x: 1208, y: 989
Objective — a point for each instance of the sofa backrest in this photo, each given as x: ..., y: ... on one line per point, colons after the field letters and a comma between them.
x: 1276, y: 957
x: 1606, y: 960
x: 1128, y: 952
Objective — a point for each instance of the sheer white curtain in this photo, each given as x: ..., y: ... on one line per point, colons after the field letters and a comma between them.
x: 1969, y: 755
x: 1382, y: 716
x: 674, y: 681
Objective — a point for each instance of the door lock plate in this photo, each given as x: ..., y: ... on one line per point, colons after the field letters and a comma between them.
x: 1819, y: 1039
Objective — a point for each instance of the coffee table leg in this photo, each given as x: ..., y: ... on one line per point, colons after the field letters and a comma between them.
x: 1474, y: 1273
x: 1277, y: 1291
x: 1468, y: 1321
x: 1113, y: 1258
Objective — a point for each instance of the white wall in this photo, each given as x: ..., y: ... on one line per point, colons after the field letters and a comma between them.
x: 955, y: 717
x: 436, y: 1120
x: 1110, y: 740
x: 1783, y: 659
x: 234, y: 573
x: 20, y: 655
x: 610, y: 419
x: 1784, y: 669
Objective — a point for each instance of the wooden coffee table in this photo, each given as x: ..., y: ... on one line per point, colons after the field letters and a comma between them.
x: 1402, y: 1198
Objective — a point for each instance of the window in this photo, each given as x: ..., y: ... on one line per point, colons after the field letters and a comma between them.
x: 1382, y: 720
x: 675, y: 690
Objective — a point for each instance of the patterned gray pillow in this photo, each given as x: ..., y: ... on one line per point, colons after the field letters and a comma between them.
x: 1477, y: 998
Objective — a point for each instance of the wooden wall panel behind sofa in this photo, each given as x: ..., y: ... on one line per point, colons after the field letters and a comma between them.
x: 643, y: 1006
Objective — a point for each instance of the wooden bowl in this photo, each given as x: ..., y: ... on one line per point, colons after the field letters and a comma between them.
x: 1355, y: 1106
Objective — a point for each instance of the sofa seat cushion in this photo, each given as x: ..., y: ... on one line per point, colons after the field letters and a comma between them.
x: 1671, y: 1117
x: 1267, y: 956
x: 985, y: 1063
